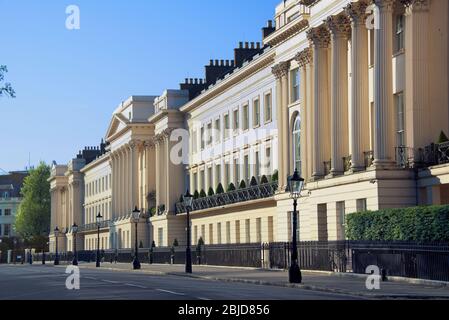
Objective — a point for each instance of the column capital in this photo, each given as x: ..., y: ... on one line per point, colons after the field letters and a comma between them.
x: 385, y: 5
x: 415, y: 5
x: 319, y: 37
x: 304, y: 57
x: 357, y: 11
x: 281, y: 69
x: 339, y: 25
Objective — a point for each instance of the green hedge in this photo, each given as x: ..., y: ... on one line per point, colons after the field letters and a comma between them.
x: 423, y: 224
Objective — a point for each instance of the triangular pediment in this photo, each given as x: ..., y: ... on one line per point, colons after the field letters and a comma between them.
x: 118, y: 123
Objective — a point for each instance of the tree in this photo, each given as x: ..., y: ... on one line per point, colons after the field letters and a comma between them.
x: 5, y: 88
x: 242, y: 184
x: 231, y: 187
x: 253, y: 182
x: 33, y: 217
x: 211, y: 192
x: 220, y: 189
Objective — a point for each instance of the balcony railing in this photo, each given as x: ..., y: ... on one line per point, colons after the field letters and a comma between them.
x: 436, y: 154
x: 93, y: 226
x: 262, y: 191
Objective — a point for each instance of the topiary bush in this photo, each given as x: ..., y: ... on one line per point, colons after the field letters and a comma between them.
x: 442, y: 138
x: 175, y: 243
x: 253, y: 182
x: 231, y: 187
x: 242, y: 184
x: 196, y: 195
x: 422, y: 224
x: 203, y: 194
x: 275, y: 176
x: 211, y: 192
x: 264, y: 179
x: 220, y: 189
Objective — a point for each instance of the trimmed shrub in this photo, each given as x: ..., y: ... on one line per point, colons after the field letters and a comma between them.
x: 203, y: 194
x: 211, y: 192
x: 220, y: 189
x: 253, y: 182
x: 442, y: 138
x: 175, y: 243
x: 264, y: 179
x: 422, y: 224
x: 242, y: 185
x: 196, y: 195
x: 275, y: 176
x: 231, y: 187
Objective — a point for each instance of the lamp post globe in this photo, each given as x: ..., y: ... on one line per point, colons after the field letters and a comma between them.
x: 56, y: 233
x: 296, y: 185
x: 188, y: 200
x: 75, y: 254
x: 136, y: 218
x: 99, y: 220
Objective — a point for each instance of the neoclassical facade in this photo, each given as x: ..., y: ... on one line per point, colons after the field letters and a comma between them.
x: 353, y: 94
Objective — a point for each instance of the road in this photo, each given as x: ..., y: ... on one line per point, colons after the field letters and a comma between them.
x: 38, y: 282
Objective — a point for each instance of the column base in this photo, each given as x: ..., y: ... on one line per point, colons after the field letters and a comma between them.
x: 357, y: 169
x: 316, y: 177
x: 334, y: 173
x: 384, y: 164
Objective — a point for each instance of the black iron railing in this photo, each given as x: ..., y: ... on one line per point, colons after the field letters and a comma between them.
x: 93, y: 226
x: 436, y: 154
x: 397, y: 258
x: 262, y: 191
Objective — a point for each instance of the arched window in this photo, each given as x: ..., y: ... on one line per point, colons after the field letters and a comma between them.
x: 296, y: 138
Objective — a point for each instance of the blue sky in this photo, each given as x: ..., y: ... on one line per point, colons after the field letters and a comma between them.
x: 68, y: 82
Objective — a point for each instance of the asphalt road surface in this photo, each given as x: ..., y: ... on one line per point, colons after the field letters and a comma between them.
x: 37, y: 282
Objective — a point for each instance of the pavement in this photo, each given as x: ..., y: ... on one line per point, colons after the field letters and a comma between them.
x: 38, y: 282
x: 350, y: 285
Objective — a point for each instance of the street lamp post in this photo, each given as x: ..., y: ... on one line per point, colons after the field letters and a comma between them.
x: 99, y: 219
x: 56, y: 263
x: 136, y: 219
x: 74, y: 232
x: 296, y: 185
x: 188, y: 199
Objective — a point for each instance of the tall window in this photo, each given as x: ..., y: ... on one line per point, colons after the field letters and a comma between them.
x: 400, y: 120
x: 268, y: 107
x: 7, y: 231
x: 227, y: 126
x: 245, y: 117
x: 210, y: 178
x: 256, y: 113
x: 297, y: 143
x: 295, y: 85
x: 257, y: 168
x: 227, y: 174
x: 236, y: 121
x: 203, y: 180
x: 399, y: 33
x: 217, y: 130
x: 268, y: 160
x: 219, y: 241
x: 341, y: 216
x: 202, y: 138
x: 236, y: 171
x: 194, y: 141
x: 218, y: 174
x: 209, y: 133
x: 7, y: 212
x: 247, y: 169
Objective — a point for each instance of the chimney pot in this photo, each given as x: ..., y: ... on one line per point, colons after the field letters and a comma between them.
x: 252, y: 45
x: 216, y: 62
x: 258, y: 45
x: 211, y: 63
x: 246, y: 45
x: 270, y: 23
x: 196, y: 80
x: 240, y: 45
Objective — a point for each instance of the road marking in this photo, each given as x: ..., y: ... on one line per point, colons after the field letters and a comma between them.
x: 90, y: 278
x: 172, y: 292
x: 109, y: 281
x: 205, y: 299
x: 135, y: 286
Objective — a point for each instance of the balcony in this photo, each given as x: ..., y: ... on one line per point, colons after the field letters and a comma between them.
x: 93, y: 226
x: 261, y: 191
x: 435, y: 154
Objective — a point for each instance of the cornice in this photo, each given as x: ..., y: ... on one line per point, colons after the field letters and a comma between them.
x: 286, y: 32
x: 244, y: 72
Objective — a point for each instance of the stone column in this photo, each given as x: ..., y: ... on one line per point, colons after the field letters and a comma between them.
x: 417, y: 61
x: 134, y: 176
x: 383, y: 86
x: 158, y: 174
x: 320, y: 39
x: 310, y: 113
x: 339, y: 28
x: 281, y: 71
x: 304, y: 59
x: 359, y: 122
